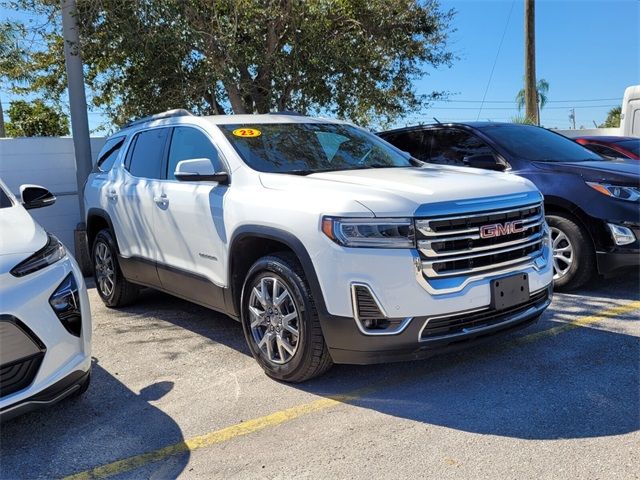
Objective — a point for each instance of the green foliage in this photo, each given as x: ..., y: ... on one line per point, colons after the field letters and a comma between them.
x: 355, y: 59
x: 543, y: 90
x: 36, y: 119
x: 613, y: 118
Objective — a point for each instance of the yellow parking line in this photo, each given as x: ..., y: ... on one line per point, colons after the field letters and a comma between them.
x: 277, y: 418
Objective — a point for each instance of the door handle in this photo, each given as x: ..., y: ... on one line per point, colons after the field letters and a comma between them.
x: 161, y: 200
x: 112, y: 194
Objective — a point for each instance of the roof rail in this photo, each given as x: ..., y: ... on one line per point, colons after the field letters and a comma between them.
x: 176, y: 112
x: 286, y: 112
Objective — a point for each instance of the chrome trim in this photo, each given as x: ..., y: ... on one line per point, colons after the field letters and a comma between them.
x: 539, y: 263
x: 427, y: 266
x: 423, y: 224
x: 425, y: 245
x: 354, y: 305
x: 514, y: 319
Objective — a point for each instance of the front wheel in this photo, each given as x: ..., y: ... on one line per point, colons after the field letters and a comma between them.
x: 573, y: 253
x: 280, y: 321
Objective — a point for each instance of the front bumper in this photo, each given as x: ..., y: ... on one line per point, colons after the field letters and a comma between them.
x: 347, y: 344
x: 63, y: 358
x: 612, y: 258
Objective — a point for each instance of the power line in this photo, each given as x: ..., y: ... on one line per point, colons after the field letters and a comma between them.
x: 512, y: 108
x: 495, y: 61
x: 514, y: 101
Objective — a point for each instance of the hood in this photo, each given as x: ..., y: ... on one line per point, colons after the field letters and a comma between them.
x: 21, y: 235
x: 401, y: 191
x: 619, y: 170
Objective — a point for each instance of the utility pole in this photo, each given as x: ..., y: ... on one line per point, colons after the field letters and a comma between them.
x: 572, y: 117
x: 530, y: 91
x: 79, y: 120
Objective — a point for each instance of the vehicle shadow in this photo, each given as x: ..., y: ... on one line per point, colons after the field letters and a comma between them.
x: 624, y: 286
x: 582, y: 383
x: 108, y: 422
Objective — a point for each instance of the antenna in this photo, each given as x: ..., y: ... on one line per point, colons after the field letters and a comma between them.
x: 437, y: 121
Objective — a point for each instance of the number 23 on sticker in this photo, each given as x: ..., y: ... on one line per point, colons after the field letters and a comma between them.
x: 247, y: 132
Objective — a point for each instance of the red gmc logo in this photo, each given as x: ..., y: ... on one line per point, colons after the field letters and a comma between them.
x: 499, y: 229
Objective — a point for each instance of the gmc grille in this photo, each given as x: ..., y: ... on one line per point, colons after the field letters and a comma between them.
x: 465, y: 244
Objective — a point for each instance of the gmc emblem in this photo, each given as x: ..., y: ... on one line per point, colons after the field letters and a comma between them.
x: 499, y: 229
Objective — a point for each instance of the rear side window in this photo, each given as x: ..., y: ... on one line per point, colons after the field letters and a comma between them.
x: 450, y: 147
x: 602, y: 150
x: 109, y: 153
x: 188, y: 143
x: 147, y: 150
x: 411, y: 142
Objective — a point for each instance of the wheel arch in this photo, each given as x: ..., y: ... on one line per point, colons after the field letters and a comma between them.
x: 98, y: 219
x: 261, y: 241
x: 560, y: 206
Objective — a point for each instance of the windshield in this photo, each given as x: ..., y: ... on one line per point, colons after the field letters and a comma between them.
x: 5, y: 201
x: 632, y: 145
x: 538, y: 144
x: 304, y: 148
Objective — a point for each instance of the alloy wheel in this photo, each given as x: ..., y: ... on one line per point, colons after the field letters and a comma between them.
x: 274, y: 320
x: 562, y: 253
x: 105, y: 274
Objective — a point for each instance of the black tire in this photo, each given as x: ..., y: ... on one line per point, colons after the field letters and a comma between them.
x: 583, y: 266
x: 123, y: 292
x: 312, y: 357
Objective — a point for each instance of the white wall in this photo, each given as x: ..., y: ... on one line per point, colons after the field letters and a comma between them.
x: 584, y: 132
x: 49, y: 162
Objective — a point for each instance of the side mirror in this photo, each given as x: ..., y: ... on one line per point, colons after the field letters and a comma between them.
x: 487, y: 162
x: 199, y: 170
x: 35, y: 196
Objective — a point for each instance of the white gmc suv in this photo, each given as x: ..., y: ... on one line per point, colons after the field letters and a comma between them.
x: 327, y: 243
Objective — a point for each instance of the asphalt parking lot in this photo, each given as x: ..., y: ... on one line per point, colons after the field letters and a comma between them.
x: 175, y: 393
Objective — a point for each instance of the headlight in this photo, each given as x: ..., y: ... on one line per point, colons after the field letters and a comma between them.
x: 51, y: 253
x: 631, y: 194
x: 370, y: 232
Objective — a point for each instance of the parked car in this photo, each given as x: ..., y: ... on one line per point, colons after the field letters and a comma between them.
x: 591, y: 204
x: 327, y: 243
x: 612, y: 147
x: 45, y: 321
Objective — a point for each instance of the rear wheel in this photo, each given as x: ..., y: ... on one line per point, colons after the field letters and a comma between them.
x: 113, y: 288
x: 280, y: 321
x: 573, y: 253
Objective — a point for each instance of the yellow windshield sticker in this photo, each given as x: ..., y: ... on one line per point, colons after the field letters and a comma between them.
x: 247, y: 132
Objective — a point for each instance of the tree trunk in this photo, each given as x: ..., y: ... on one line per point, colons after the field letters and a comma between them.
x: 2, y: 132
x: 530, y: 92
x: 237, y: 105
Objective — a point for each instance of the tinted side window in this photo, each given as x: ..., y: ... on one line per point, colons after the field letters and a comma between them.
x: 146, y: 157
x: 187, y: 144
x: 412, y: 142
x: 604, y: 151
x: 109, y: 153
x: 450, y: 147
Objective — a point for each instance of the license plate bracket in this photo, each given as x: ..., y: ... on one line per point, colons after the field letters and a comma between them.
x: 509, y: 291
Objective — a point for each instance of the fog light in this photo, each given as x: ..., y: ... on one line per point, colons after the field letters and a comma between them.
x: 621, y: 235
x: 65, y: 302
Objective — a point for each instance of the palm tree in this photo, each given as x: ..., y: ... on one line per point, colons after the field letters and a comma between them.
x: 542, y: 89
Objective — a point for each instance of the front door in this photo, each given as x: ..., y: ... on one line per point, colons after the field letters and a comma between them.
x: 190, y: 224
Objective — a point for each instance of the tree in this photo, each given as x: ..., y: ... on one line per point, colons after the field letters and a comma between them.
x: 350, y: 58
x: 613, y: 118
x: 36, y: 119
x: 12, y: 60
x: 542, y: 90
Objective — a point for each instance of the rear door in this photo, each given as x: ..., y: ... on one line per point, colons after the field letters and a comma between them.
x: 134, y: 195
x: 191, y: 253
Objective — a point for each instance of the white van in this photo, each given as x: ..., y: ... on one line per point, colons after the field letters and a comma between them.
x: 630, y: 118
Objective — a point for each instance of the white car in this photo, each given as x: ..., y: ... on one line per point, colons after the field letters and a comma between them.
x: 326, y: 242
x: 45, y: 321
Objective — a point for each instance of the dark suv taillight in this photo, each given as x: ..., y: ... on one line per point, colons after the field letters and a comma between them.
x: 65, y: 302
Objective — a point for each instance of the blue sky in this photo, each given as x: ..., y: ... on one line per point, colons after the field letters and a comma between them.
x: 588, y: 51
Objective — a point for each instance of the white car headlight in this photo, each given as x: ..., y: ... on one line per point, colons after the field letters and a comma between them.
x: 370, y: 232
x: 631, y: 194
x: 49, y: 254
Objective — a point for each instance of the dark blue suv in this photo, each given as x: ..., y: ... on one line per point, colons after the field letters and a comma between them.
x: 592, y: 204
